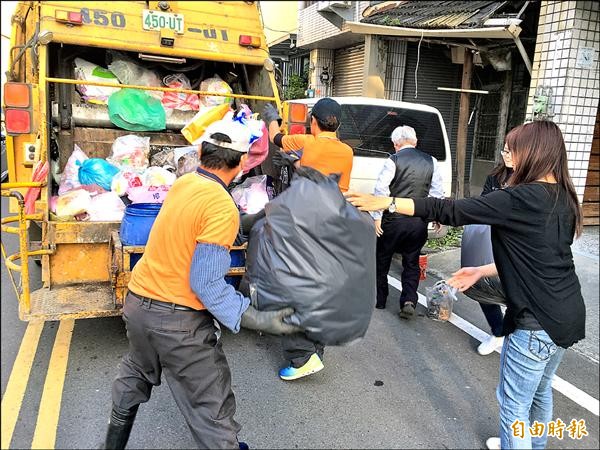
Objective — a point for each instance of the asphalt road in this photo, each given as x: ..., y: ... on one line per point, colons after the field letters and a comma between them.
x: 407, y: 384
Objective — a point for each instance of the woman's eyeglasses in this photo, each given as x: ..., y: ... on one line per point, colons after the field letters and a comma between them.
x: 505, y: 152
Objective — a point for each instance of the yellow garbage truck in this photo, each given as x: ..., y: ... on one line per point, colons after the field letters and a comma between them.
x: 84, y: 265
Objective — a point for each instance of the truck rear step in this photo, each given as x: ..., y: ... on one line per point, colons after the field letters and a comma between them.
x: 72, y: 302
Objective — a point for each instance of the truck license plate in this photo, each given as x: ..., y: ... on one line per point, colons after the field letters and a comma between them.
x: 157, y: 20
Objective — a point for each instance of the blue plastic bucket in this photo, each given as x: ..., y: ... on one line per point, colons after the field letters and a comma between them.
x: 238, y: 259
x: 136, y: 225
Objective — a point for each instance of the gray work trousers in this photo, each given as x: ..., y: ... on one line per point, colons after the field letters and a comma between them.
x: 186, y: 346
x: 298, y: 348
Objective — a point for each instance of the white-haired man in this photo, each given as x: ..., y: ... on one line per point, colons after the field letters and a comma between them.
x: 412, y: 173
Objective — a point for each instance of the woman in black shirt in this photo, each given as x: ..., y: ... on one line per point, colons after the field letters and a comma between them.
x: 533, y: 222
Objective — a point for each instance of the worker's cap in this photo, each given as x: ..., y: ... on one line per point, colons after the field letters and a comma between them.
x: 325, y: 108
x: 222, y: 131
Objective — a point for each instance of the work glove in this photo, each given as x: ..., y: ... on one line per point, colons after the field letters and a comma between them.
x: 270, y: 113
x: 269, y: 321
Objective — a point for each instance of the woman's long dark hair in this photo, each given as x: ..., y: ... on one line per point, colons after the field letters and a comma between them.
x: 538, y: 150
x: 501, y: 172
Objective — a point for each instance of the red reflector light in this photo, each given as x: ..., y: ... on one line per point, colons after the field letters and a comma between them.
x: 17, y: 121
x: 298, y: 112
x: 75, y: 17
x: 297, y: 129
x: 249, y: 41
x: 71, y: 17
x: 17, y: 95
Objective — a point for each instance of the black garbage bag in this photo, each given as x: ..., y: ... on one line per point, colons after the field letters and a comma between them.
x: 315, y: 252
x: 476, y: 250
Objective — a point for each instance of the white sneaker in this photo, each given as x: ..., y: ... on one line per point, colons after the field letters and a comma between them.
x: 490, y: 344
x: 493, y: 443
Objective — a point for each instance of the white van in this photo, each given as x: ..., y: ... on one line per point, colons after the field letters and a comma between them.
x: 366, y: 126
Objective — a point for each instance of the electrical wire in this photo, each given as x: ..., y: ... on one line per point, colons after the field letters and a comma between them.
x: 417, y: 66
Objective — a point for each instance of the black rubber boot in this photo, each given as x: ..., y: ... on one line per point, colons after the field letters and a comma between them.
x: 119, y: 428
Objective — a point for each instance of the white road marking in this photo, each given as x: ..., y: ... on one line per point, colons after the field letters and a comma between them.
x: 580, y: 397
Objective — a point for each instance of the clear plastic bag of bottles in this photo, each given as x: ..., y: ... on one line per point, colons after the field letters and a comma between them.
x: 440, y: 299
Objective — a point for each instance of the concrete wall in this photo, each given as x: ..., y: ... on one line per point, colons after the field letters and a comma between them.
x: 567, y: 30
x: 313, y: 27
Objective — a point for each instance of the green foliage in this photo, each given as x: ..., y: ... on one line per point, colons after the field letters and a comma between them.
x: 297, y: 85
x: 451, y: 240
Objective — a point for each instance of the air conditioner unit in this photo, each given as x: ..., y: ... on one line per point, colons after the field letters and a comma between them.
x: 336, y: 12
x: 332, y: 5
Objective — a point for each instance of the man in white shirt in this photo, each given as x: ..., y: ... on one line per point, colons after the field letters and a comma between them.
x: 410, y: 173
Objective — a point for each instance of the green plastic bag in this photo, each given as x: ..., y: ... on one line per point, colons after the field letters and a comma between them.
x: 135, y: 110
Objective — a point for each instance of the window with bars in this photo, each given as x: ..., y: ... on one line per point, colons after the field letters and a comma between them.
x: 487, y: 127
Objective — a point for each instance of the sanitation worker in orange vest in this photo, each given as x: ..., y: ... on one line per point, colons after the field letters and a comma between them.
x: 178, y: 300
x: 321, y: 149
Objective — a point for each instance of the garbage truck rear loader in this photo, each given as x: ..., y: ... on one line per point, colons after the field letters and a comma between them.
x: 84, y: 265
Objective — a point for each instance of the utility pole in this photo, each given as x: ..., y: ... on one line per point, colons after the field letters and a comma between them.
x: 463, y: 124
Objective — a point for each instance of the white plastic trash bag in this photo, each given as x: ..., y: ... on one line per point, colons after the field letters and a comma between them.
x: 73, y: 203
x: 251, y: 196
x: 106, y: 207
x: 130, y: 153
x: 69, y: 179
x: 123, y: 181
x: 158, y: 176
x: 85, y: 70
x: 132, y: 73
x: 215, y: 84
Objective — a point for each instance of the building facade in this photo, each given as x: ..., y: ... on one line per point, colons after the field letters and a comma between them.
x: 556, y: 38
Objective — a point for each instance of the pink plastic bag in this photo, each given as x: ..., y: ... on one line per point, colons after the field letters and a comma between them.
x: 148, y: 194
x: 40, y: 173
x: 69, y: 179
x: 258, y: 151
x: 179, y: 100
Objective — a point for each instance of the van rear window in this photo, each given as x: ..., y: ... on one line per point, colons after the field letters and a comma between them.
x: 367, y: 129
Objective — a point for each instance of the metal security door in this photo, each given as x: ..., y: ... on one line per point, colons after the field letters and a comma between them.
x: 348, y: 71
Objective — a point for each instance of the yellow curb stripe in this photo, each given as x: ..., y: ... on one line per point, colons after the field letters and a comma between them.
x: 44, y: 436
x: 17, y: 382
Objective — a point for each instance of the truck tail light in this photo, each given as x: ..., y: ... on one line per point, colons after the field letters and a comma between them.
x: 17, y: 95
x: 298, y: 112
x: 18, y: 112
x: 297, y: 129
x: 72, y: 17
x: 249, y: 41
x: 17, y: 121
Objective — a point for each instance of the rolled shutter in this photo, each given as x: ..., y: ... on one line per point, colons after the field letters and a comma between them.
x: 348, y: 71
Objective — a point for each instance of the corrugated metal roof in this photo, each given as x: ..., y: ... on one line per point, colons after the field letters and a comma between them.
x: 434, y: 14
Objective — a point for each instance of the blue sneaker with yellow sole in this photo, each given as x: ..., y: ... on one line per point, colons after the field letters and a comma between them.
x: 313, y: 365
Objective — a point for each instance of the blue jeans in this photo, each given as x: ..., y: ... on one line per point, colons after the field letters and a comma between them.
x: 528, y: 362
